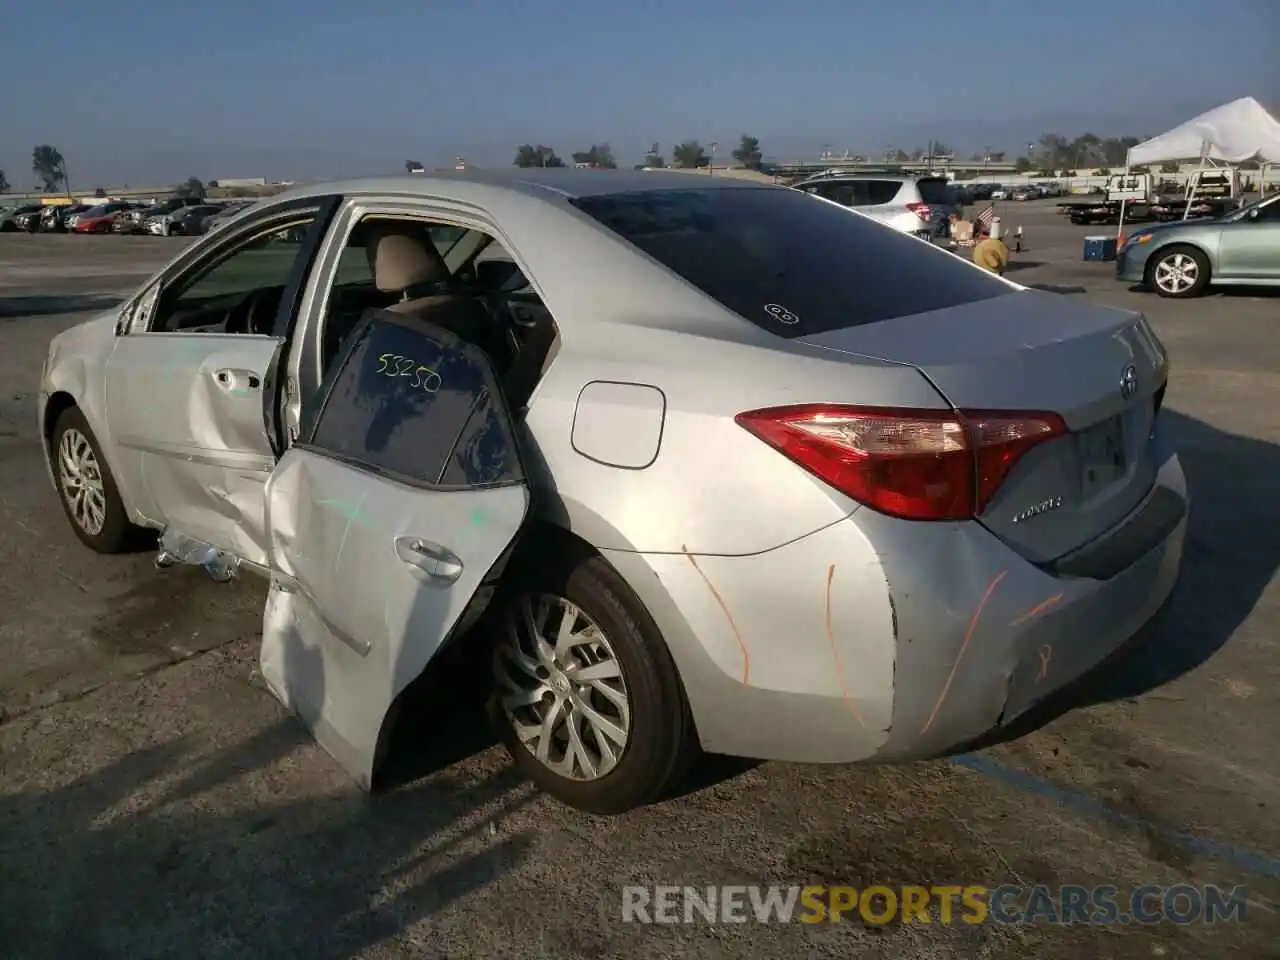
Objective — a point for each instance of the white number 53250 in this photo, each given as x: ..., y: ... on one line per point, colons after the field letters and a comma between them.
x: 421, y: 377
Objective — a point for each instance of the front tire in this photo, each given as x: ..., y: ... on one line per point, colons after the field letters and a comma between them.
x: 587, y: 699
x: 1179, y: 273
x: 86, y: 487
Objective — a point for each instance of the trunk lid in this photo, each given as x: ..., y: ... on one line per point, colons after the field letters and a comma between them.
x: 1040, y: 352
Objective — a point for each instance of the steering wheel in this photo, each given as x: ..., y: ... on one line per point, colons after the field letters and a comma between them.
x: 239, y: 315
x: 247, y: 315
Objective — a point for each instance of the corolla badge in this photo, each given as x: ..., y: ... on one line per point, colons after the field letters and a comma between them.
x: 1044, y: 506
x: 1129, y: 382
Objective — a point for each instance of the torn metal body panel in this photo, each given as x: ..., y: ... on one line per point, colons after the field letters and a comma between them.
x: 369, y: 579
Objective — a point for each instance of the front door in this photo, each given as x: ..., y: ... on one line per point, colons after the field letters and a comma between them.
x: 1250, y: 247
x: 185, y: 383
x: 388, y: 522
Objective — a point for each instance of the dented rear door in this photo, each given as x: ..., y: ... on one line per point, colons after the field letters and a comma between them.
x: 388, y: 523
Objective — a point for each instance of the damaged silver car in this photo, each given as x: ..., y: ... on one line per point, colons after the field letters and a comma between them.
x: 696, y: 463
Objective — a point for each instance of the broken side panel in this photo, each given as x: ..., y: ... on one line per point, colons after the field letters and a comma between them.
x: 369, y: 577
x: 187, y: 411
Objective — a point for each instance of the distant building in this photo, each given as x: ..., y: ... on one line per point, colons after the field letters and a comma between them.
x: 241, y: 182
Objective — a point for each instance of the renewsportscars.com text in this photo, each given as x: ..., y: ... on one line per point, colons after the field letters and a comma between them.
x: 972, y: 904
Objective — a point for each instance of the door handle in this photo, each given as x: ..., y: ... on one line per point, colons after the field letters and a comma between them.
x: 437, y: 562
x: 237, y: 381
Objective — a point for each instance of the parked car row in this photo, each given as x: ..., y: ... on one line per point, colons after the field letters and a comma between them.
x: 173, y: 217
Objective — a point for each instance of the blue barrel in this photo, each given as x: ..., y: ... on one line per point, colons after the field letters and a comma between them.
x: 1100, y: 248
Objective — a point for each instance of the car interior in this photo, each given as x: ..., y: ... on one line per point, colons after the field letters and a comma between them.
x: 399, y: 265
x: 402, y: 266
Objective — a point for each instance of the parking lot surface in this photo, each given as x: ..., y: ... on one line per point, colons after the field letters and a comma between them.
x: 155, y: 801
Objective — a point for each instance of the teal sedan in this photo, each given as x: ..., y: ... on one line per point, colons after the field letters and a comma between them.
x: 1182, y: 259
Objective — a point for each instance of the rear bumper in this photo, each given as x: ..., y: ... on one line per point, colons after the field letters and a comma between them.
x: 875, y: 639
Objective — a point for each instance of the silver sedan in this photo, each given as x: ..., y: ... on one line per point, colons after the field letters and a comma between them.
x: 701, y: 464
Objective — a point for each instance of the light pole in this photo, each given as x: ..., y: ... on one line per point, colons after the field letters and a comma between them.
x: 711, y: 167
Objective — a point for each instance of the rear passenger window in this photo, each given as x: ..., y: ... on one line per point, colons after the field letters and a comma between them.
x: 786, y: 263
x: 879, y: 191
x: 418, y: 404
x: 935, y: 192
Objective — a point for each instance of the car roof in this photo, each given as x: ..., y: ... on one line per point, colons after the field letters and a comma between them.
x: 540, y: 182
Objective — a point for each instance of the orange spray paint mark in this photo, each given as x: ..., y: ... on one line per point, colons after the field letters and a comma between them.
x: 968, y: 635
x: 1046, y: 653
x: 831, y: 639
x: 737, y: 634
x: 1039, y: 608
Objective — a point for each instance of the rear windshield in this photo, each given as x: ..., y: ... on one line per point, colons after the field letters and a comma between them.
x: 790, y: 263
x: 935, y: 191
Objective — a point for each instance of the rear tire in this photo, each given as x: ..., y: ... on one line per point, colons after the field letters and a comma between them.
x: 1179, y: 273
x: 615, y: 639
x: 86, y: 488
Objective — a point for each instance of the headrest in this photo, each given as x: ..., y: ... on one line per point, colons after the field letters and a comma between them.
x: 401, y: 257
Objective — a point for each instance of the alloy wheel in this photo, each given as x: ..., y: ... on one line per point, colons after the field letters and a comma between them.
x: 1177, y: 273
x: 80, y: 478
x: 562, y: 688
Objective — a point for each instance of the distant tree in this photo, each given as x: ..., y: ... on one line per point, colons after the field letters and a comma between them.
x: 4, y: 184
x: 998, y: 156
x: 599, y: 155
x: 1104, y: 172
x: 192, y: 188
x: 1250, y: 164
x: 1023, y: 164
x: 748, y: 153
x: 917, y: 154
x: 212, y: 184
x: 654, y: 157
x: 48, y: 165
x: 940, y: 149
x: 689, y: 155
x: 901, y: 156
x: 99, y: 192
x: 413, y: 166
x: 528, y: 155
x: 240, y: 192
x: 1169, y: 166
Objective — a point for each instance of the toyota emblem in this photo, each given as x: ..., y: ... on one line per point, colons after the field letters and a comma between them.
x: 1129, y: 381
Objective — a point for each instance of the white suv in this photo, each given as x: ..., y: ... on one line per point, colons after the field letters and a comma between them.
x: 918, y: 205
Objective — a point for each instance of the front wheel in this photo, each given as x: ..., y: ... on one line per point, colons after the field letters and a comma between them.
x: 1179, y: 273
x: 86, y: 488
x: 587, y: 699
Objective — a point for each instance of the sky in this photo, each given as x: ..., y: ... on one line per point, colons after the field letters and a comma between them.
x: 145, y: 92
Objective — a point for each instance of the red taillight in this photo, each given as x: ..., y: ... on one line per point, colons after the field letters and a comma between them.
x: 921, y: 210
x: 915, y: 464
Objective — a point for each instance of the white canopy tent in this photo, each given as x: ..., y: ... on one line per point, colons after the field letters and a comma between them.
x: 1232, y: 133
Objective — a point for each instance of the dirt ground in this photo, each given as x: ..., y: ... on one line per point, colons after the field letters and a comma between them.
x: 155, y: 801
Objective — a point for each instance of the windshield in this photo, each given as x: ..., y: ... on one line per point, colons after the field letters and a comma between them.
x: 1244, y: 211
x: 97, y: 212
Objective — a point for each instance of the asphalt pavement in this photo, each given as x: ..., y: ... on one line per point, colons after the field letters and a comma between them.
x: 155, y: 801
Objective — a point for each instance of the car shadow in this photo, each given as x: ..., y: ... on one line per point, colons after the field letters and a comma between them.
x: 157, y: 853
x: 1016, y: 265
x: 1228, y: 292
x: 47, y: 306
x: 1231, y: 555
x: 1056, y: 288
